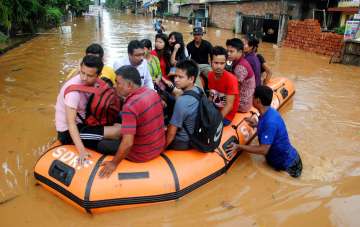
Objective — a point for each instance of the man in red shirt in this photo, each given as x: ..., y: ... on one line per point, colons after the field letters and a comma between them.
x: 223, y: 88
x: 142, y: 128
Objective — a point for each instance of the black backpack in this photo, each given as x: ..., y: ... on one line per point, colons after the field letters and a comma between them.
x: 208, y: 126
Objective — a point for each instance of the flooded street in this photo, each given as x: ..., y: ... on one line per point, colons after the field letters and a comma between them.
x: 322, y: 120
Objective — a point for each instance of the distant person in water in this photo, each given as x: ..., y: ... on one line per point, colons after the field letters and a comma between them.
x: 159, y: 27
x: 274, y: 141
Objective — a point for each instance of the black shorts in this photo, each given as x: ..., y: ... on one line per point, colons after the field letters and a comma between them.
x: 90, y: 136
x: 108, y: 147
x: 296, y: 168
x: 179, y: 145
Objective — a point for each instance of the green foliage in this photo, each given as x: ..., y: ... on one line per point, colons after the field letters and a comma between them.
x: 28, y: 15
x: 118, y: 4
x: 53, y: 16
x: 168, y: 14
x: 3, y: 38
x: 78, y: 7
x: 340, y: 30
x: 181, y: 1
x: 5, y: 16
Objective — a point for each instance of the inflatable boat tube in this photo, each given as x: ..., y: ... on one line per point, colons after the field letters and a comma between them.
x: 168, y: 177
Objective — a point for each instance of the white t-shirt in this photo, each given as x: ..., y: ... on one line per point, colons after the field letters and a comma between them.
x: 143, y: 69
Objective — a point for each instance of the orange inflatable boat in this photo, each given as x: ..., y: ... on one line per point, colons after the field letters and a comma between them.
x: 168, y: 177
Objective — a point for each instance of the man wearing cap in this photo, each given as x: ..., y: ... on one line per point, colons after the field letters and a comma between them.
x: 200, y: 50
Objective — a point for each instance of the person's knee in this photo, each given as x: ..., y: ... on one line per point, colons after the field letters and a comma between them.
x: 108, y: 147
x: 112, y: 132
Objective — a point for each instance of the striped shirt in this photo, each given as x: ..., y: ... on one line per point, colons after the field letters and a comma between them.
x: 142, y: 116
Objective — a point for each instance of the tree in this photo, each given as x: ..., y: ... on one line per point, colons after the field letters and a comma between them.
x: 28, y: 15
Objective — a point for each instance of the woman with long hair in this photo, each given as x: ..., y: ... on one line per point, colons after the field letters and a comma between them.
x: 163, y: 53
x: 250, y: 46
x: 177, y: 48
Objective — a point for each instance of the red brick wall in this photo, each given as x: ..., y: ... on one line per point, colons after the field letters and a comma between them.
x: 307, y: 35
x: 223, y: 15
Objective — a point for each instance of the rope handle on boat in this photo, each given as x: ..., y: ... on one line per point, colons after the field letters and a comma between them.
x: 276, y: 89
x: 235, y: 127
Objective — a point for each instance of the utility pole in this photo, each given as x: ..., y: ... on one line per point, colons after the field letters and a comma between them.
x: 168, y: 6
x: 282, y: 22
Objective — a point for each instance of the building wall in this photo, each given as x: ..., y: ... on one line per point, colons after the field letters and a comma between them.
x: 174, y: 8
x: 307, y: 35
x: 344, y: 18
x: 223, y: 15
x: 185, y: 10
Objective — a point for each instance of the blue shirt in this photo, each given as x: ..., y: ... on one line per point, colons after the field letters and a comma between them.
x: 157, y: 25
x: 185, y: 113
x: 272, y: 131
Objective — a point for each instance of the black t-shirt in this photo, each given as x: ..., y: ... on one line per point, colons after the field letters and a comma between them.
x: 200, y: 55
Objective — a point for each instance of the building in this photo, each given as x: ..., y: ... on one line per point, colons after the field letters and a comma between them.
x: 344, y: 11
x: 268, y: 19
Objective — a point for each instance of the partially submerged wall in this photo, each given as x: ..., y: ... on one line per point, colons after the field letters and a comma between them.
x: 307, y: 35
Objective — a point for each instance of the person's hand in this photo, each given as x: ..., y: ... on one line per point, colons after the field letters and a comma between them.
x: 107, y: 169
x: 168, y: 83
x: 177, y: 46
x: 251, y: 121
x: 266, y: 81
x: 177, y: 92
x: 157, y: 81
x: 83, y: 156
x: 233, y: 147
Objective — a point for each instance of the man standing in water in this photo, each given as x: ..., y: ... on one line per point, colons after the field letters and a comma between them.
x: 136, y: 54
x: 274, y: 141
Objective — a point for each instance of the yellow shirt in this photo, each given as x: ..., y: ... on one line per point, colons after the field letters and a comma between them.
x: 108, y: 73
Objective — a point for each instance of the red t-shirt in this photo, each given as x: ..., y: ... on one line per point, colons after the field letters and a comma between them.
x: 142, y: 116
x: 226, y: 85
x: 162, y: 64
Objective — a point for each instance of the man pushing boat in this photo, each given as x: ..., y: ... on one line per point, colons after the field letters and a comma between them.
x: 274, y: 141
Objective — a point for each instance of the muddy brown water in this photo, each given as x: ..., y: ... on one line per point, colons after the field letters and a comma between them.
x: 323, y: 121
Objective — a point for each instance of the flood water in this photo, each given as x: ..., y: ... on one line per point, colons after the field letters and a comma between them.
x: 323, y: 121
